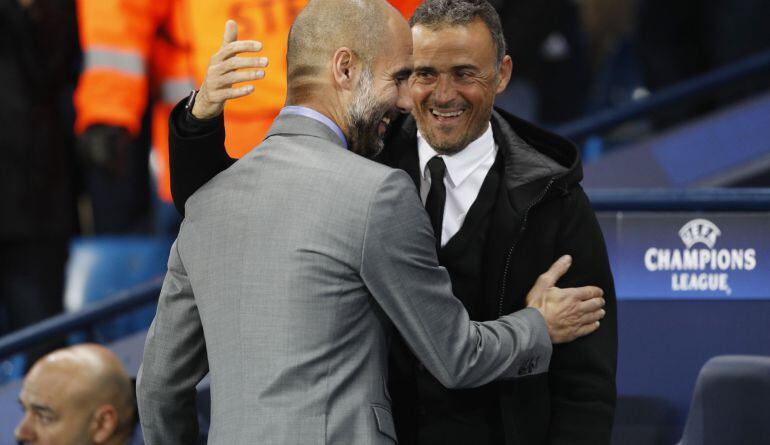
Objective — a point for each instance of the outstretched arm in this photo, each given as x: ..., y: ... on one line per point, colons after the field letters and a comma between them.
x: 197, y: 134
x: 400, y: 269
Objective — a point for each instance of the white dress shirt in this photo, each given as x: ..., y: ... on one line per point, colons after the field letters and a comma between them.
x: 465, y: 172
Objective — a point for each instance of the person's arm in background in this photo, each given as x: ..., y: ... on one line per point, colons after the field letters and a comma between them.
x: 197, y: 133
x: 582, y: 373
x: 111, y: 96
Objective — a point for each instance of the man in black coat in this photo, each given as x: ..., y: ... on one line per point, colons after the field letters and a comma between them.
x: 505, y: 201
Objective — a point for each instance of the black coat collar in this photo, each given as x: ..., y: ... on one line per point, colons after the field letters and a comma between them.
x: 533, y: 157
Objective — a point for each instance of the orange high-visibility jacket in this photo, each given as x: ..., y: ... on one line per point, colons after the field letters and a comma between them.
x: 135, y: 49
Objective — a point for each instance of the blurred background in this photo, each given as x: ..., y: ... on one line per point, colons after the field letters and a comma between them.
x: 669, y: 102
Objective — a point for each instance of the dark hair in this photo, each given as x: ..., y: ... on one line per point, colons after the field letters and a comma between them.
x: 440, y: 13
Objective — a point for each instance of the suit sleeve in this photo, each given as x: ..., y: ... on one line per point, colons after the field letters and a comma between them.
x: 582, y: 373
x: 174, y: 363
x: 196, y: 153
x: 400, y: 268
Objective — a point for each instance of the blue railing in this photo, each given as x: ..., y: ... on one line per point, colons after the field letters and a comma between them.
x: 601, y: 200
x: 687, y: 200
x: 94, y: 313
x: 688, y: 90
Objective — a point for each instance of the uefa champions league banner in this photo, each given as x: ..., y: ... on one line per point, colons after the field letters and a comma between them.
x: 689, y: 255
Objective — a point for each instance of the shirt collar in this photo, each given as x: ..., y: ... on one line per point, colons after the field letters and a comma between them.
x: 313, y: 114
x: 461, y: 164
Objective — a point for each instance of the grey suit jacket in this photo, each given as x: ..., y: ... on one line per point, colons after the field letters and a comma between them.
x: 288, y: 273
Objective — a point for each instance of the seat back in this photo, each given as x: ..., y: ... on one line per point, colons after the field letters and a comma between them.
x: 731, y: 402
x: 101, y: 266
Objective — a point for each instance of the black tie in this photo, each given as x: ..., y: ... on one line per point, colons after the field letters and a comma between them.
x: 436, y: 197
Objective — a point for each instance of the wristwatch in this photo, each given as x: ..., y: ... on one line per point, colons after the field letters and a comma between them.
x: 190, y: 101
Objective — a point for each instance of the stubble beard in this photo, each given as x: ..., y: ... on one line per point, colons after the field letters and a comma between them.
x: 364, y: 116
x: 446, y: 146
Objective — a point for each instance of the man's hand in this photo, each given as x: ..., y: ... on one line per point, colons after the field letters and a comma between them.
x: 105, y: 148
x: 225, y: 69
x: 569, y: 313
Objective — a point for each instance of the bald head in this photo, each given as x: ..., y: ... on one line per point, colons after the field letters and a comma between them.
x: 324, y: 26
x: 72, y: 386
x: 99, y: 373
x: 349, y: 60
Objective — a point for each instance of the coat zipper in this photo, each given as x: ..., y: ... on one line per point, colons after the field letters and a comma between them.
x: 516, y: 241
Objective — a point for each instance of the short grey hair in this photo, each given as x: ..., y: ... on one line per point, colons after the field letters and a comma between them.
x: 435, y: 14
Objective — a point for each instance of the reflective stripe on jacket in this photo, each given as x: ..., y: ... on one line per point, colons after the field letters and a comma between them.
x: 135, y: 49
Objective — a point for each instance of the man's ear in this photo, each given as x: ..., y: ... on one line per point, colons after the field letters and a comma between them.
x: 105, y: 423
x: 504, y: 75
x: 343, y: 65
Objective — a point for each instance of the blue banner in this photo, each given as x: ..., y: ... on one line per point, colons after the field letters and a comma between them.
x: 689, y: 255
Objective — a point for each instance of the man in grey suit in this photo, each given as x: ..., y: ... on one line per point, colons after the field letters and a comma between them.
x: 292, y: 267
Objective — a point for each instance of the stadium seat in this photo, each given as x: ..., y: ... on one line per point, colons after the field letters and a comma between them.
x: 730, y: 402
x: 101, y: 266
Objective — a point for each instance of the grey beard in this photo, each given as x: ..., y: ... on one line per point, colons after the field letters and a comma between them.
x: 363, y: 121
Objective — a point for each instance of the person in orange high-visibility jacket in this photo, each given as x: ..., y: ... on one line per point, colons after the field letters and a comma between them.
x: 162, y: 47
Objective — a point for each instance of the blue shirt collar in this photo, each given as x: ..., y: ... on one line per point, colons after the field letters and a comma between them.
x: 313, y: 114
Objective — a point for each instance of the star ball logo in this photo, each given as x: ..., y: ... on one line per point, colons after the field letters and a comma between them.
x: 700, y: 266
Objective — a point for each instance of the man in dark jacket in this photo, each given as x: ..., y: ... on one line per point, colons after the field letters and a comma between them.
x: 505, y: 201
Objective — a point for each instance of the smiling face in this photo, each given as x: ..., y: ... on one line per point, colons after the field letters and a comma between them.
x: 454, y: 84
x: 381, y: 92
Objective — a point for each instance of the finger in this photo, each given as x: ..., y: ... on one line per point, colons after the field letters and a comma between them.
x: 585, y: 292
x: 234, y: 93
x: 590, y: 305
x: 239, y: 76
x: 549, y: 278
x: 237, y: 63
x: 239, y: 46
x: 231, y: 32
x: 587, y: 329
x: 222, y: 95
x: 233, y: 49
x: 592, y: 317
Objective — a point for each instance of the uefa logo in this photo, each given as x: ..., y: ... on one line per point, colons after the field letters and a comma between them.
x: 700, y: 266
x: 699, y: 231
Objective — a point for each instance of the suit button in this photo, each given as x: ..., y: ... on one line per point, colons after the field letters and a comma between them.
x: 527, y: 367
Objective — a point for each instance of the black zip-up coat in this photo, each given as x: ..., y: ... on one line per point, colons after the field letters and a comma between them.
x: 541, y: 213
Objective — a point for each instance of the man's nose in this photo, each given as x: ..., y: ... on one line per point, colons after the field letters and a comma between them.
x: 404, y: 102
x: 23, y: 431
x: 444, y: 92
